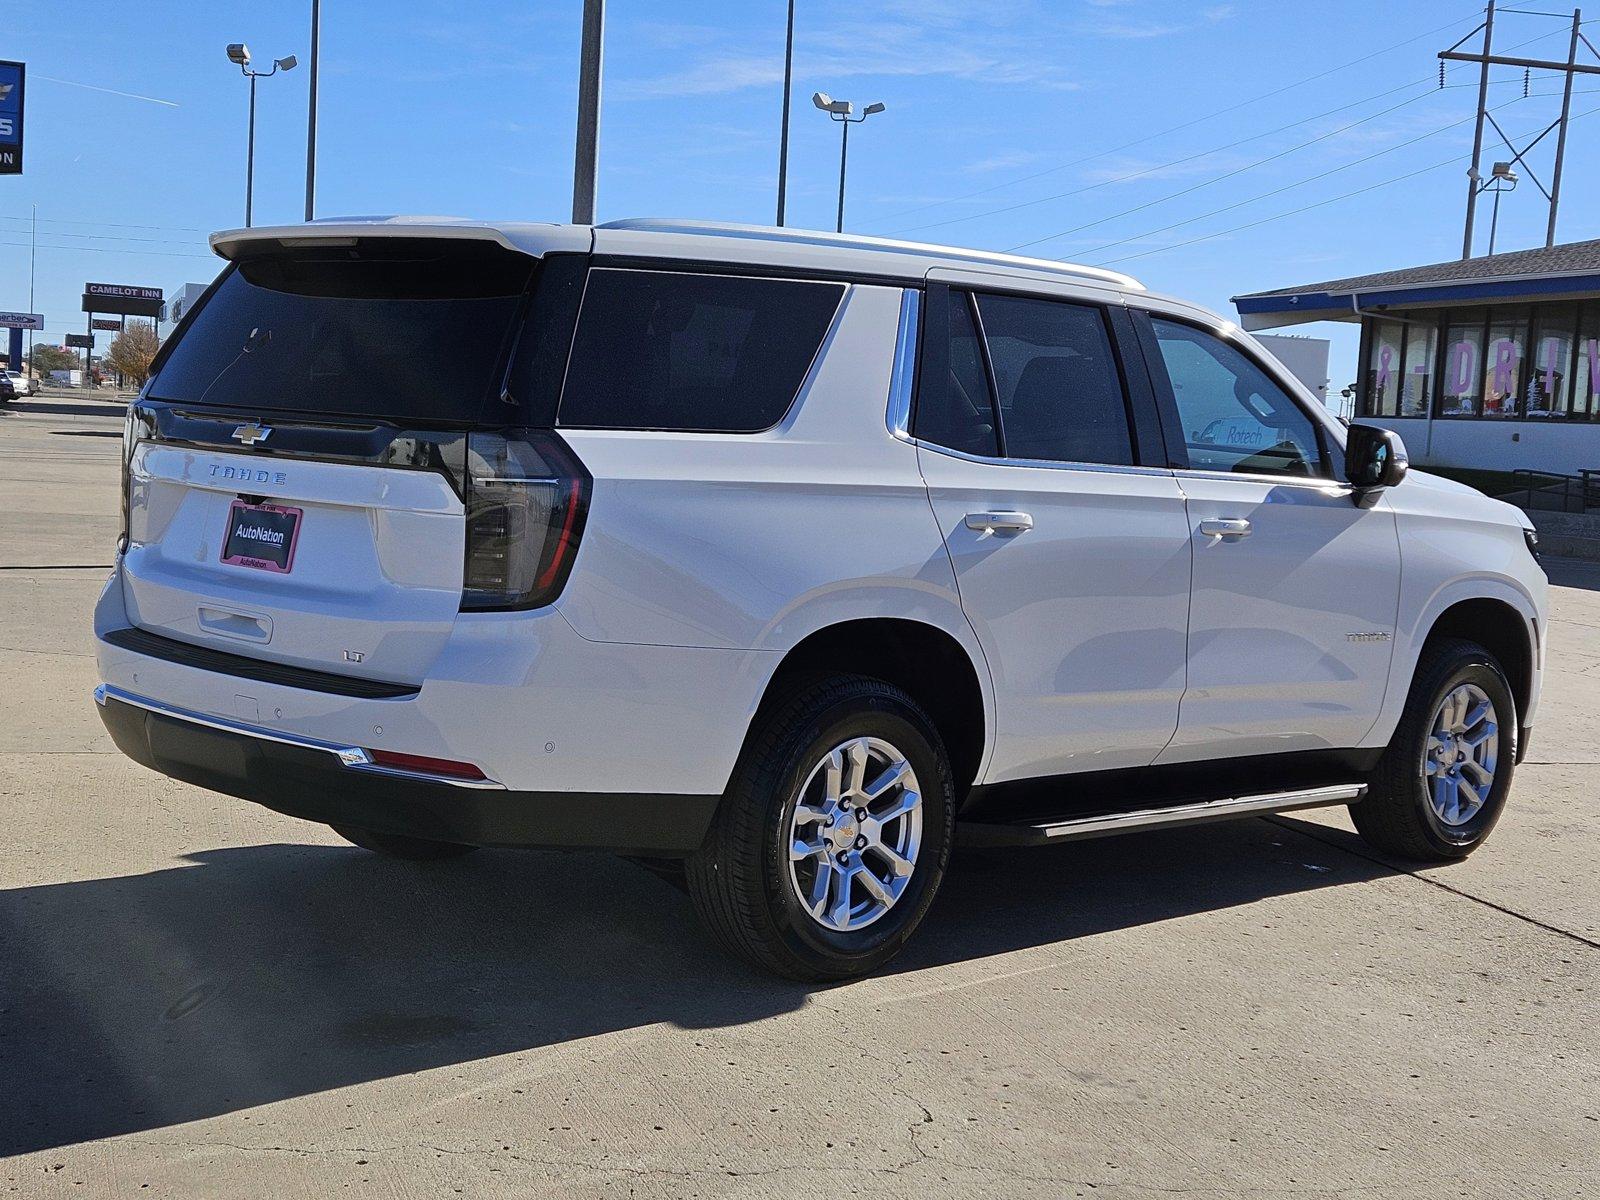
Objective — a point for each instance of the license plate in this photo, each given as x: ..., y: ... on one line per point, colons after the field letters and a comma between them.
x: 261, y: 536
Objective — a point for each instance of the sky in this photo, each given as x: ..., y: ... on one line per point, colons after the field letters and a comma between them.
x: 1207, y: 148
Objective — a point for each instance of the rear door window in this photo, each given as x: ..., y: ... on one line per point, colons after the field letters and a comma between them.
x: 955, y: 407
x: 683, y: 351
x: 1060, y: 392
x: 398, y: 329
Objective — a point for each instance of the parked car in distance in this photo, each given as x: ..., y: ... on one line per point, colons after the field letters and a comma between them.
x: 21, y: 384
x: 8, y: 389
x: 783, y: 560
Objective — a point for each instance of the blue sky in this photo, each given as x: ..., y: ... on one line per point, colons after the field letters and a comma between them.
x: 1107, y: 131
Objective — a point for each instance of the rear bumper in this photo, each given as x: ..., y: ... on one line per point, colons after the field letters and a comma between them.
x: 324, y: 782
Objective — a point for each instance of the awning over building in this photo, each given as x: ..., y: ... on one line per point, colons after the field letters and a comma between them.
x: 1566, y: 272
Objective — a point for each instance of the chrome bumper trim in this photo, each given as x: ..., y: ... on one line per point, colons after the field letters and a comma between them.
x: 353, y: 757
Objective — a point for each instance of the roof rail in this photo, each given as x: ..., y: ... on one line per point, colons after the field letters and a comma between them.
x: 856, y: 241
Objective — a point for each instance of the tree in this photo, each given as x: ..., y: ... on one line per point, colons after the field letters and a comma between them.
x: 131, y: 351
x: 52, y: 358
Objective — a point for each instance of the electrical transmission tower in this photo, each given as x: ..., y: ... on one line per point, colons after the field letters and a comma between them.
x: 1487, y: 58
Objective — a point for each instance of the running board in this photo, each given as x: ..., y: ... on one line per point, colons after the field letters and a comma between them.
x: 1102, y: 824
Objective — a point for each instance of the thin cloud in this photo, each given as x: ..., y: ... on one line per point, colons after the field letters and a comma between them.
x: 94, y: 87
x: 934, y: 39
x: 1003, y: 162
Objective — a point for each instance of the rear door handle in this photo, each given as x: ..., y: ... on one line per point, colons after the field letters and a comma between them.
x: 1000, y: 522
x: 1228, y: 528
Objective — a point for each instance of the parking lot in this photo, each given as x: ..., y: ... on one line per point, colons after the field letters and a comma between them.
x: 200, y: 997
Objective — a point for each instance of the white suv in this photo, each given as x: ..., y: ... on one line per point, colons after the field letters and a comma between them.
x: 783, y: 560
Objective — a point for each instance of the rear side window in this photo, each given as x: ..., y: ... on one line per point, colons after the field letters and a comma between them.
x: 958, y: 410
x: 1060, y: 391
x: 398, y: 329
x: 680, y: 351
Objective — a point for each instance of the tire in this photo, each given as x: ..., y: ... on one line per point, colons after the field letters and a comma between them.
x: 742, y: 881
x: 1399, y: 815
x: 398, y: 845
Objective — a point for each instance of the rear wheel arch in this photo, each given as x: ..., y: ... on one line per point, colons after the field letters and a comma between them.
x: 924, y: 660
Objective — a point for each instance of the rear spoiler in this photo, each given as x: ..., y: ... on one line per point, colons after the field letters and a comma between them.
x: 536, y: 240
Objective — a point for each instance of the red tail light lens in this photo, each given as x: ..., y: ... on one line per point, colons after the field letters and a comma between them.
x: 526, y: 497
x: 422, y: 764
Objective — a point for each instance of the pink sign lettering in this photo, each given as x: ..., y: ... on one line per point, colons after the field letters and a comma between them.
x: 1461, y: 365
x: 1591, y: 350
x: 1505, y: 365
x: 1385, y: 357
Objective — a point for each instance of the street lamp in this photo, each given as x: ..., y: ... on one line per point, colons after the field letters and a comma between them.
x: 239, y: 56
x: 843, y: 112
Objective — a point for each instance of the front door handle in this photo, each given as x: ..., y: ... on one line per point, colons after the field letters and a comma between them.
x: 1000, y: 522
x: 1230, y: 529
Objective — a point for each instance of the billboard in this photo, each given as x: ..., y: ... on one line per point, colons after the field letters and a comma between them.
x: 80, y: 339
x: 13, y: 76
x: 105, y: 323
x: 127, y: 299
x: 21, y: 320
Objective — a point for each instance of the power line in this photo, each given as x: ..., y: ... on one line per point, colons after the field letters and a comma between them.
x: 1179, y: 127
x: 1287, y: 187
x: 111, y: 250
x: 105, y: 224
x: 1194, y: 187
x: 1412, y: 174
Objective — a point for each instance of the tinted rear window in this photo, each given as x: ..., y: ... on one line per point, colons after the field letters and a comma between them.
x: 672, y: 350
x: 401, y: 330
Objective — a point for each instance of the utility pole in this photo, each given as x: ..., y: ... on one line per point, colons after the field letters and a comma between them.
x: 586, y: 159
x: 311, y: 119
x: 250, y: 159
x: 783, y: 137
x: 1487, y: 58
x: 1561, y: 137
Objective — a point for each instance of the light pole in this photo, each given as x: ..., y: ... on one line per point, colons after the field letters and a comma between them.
x: 311, y: 111
x: 1503, y: 178
x: 843, y: 111
x: 239, y: 55
x: 783, y: 137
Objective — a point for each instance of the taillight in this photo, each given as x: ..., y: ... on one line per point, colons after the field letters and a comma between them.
x: 526, y: 496
x: 134, y: 429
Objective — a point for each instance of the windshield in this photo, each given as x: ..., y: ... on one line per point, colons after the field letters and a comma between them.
x: 402, y: 330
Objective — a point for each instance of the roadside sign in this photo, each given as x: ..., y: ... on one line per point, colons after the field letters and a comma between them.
x: 21, y: 320
x: 13, y: 76
x: 106, y: 323
x: 128, y: 299
x: 80, y: 340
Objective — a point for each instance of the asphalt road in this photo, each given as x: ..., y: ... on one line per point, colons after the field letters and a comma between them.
x: 202, y: 998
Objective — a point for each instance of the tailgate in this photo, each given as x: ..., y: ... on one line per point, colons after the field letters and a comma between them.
x: 373, y: 585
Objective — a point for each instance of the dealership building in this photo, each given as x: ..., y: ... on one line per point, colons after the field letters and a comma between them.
x: 1490, y: 363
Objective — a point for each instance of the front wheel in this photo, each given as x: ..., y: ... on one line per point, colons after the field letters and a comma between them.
x: 833, y: 835
x: 1443, y: 781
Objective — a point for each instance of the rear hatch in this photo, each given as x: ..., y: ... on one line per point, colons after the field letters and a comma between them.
x: 343, y: 448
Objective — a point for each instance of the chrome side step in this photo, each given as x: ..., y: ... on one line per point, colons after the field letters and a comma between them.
x: 1102, y: 824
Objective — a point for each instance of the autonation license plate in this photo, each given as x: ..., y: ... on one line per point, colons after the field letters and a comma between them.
x: 261, y: 536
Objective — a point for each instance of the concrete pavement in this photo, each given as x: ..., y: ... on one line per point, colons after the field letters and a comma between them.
x: 202, y: 998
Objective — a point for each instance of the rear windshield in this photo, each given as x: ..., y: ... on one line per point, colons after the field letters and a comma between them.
x: 406, y: 331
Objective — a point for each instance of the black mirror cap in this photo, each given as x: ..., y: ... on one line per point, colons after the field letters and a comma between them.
x: 1374, y: 458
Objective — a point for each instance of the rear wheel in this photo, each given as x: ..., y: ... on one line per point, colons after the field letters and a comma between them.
x: 833, y: 835
x: 398, y: 845
x: 1442, y: 784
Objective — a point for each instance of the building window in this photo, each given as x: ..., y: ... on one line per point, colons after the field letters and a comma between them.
x: 1548, y: 391
x: 1461, y: 375
x: 1505, y: 350
x: 1416, y: 371
x: 1586, y: 367
x: 1382, y: 396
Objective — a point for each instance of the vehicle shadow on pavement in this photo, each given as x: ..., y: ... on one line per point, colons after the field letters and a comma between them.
x: 261, y: 973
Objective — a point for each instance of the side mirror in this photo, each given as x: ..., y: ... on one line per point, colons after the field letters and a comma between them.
x: 1374, y: 459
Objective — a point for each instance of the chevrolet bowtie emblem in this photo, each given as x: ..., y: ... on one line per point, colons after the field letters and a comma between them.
x: 251, y: 434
